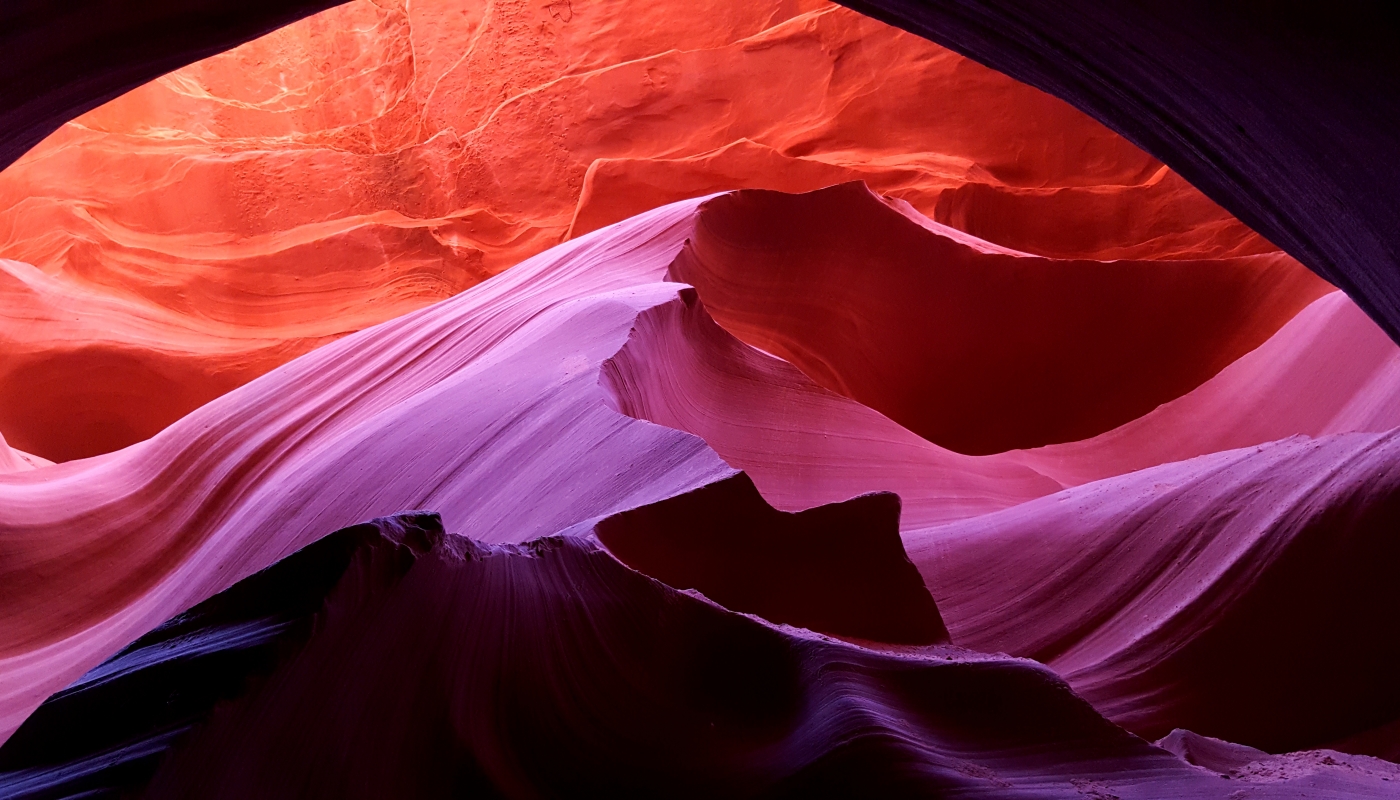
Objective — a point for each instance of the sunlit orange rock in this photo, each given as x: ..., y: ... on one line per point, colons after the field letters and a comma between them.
x: 378, y: 157
x: 981, y: 375
x: 587, y: 382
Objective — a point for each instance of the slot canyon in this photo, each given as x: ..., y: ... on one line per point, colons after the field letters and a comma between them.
x: 573, y: 398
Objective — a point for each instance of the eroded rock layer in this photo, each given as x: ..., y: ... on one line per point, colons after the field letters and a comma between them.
x: 1285, y: 114
x: 529, y: 406
x: 599, y: 679
x: 207, y: 227
x: 965, y: 451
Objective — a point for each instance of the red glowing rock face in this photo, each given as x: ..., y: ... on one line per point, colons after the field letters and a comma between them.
x: 978, y: 349
x: 361, y: 164
x: 778, y: 491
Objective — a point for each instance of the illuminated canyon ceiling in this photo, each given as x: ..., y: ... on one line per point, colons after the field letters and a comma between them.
x: 452, y: 398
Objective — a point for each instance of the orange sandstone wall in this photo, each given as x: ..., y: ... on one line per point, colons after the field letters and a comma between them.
x: 379, y: 157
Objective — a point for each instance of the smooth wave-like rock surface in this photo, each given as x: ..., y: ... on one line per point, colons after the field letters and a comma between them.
x: 1287, y: 115
x: 490, y: 407
x: 801, y: 444
x: 1184, y: 85
x: 486, y: 407
x: 13, y: 460
x: 549, y: 668
x: 1242, y: 595
x: 587, y: 390
x: 1329, y: 370
x: 586, y: 382
x: 975, y: 347
x: 730, y: 473
x: 376, y: 158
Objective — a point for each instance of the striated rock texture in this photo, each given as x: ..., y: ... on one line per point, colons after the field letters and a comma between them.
x: 1286, y: 114
x: 1283, y: 114
x: 964, y: 452
x: 598, y: 679
x: 1198, y: 594
x: 186, y: 237
x: 65, y: 58
x: 485, y: 407
x: 1021, y: 338
x: 586, y: 385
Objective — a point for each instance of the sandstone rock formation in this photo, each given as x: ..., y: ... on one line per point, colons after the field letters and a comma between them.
x: 716, y: 399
